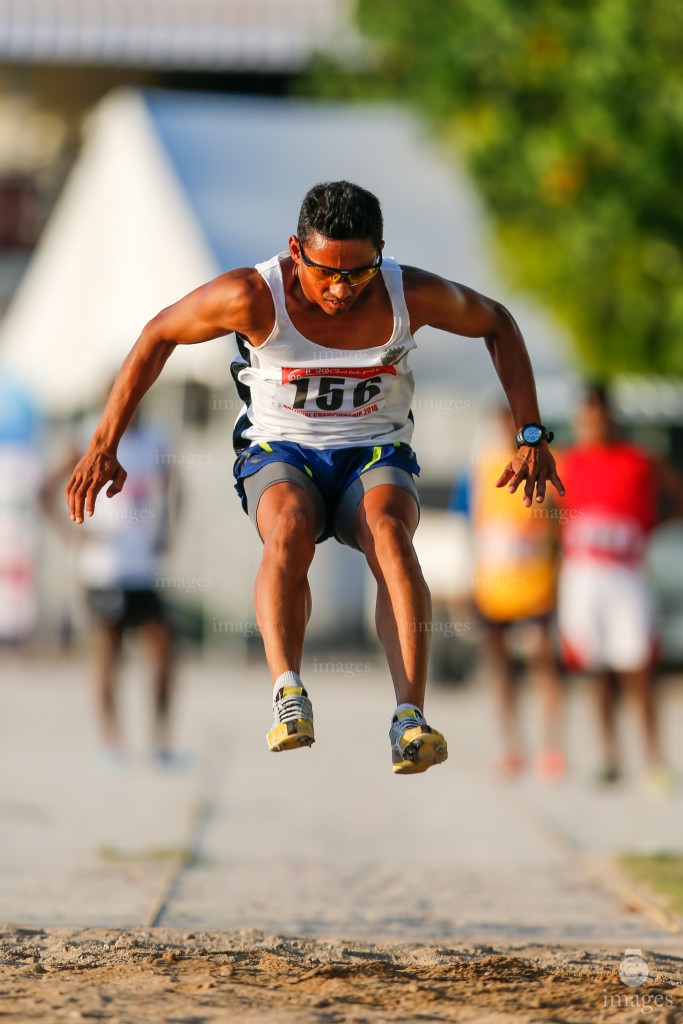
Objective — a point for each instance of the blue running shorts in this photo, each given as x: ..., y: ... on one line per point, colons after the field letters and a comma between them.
x: 335, y: 478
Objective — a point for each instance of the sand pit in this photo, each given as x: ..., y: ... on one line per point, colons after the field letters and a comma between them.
x: 172, y: 977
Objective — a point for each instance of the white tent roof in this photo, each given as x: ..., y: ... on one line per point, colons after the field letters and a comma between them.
x: 121, y: 244
x: 171, y: 189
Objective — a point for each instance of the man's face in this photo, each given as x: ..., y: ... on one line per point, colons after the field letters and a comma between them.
x: 334, y: 298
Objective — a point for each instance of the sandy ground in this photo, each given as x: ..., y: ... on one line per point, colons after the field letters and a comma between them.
x: 145, y: 896
x: 169, y: 977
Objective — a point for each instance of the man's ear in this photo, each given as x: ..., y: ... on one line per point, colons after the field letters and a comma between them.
x: 294, y: 248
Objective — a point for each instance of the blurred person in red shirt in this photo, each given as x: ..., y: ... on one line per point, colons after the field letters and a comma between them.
x: 606, y: 610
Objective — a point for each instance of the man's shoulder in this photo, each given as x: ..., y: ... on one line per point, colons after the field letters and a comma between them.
x: 242, y: 281
x: 417, y: 276
x: 426, y: 294
x: 425, y: 283
x: 245, y: 292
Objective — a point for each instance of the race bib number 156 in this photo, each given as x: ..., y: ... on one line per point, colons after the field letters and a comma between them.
x: 334, y: 391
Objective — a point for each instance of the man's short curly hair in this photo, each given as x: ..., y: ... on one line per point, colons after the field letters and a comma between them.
x: 341, y: 210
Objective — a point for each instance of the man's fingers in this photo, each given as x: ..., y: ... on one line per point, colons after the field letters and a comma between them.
x: 117, y: 483
x: 76, y: 490
x: 91, y: 497
x: 535, y: 471
x: 75, y: 500
x: 521, y: 474
x: 507, y: 473
x: 557, y: 483
x: 87, y: 480
x: 540, y: 481
x: 68, y: 491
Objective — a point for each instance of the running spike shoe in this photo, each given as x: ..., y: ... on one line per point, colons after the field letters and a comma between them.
x: 293, y: 720
x: 415, y: 746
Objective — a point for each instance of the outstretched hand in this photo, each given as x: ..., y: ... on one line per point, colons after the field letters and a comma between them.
x: 535, y: 465
x: 92, y: 472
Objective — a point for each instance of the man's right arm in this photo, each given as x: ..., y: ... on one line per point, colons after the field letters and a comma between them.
x: 236, y: 301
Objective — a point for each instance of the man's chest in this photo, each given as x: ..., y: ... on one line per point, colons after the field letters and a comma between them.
x: 371, y: 328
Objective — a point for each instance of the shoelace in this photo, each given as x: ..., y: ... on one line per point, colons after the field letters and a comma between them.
x: 293, y: 707
x: 402, y: 724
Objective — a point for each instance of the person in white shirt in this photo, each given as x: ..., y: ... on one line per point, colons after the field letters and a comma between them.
x: 118, y: 565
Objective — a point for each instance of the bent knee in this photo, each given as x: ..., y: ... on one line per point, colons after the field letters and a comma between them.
x: 291, y: 531
x: 388, y: 534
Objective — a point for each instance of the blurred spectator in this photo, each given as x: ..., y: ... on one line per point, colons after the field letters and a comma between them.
x: 19, y: 513
x: 118, y: 563
x: 606, y: 612
x: 513, y: 589
x: 19, y: 213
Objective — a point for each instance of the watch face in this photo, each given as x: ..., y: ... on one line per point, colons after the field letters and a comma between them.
x: 532, y: 434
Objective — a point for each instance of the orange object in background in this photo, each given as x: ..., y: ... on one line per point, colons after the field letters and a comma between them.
x: 514, y: 547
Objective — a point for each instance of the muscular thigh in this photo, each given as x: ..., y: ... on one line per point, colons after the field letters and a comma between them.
x: 280, y: 487
x: 381, y: 503
x: 285, y: 498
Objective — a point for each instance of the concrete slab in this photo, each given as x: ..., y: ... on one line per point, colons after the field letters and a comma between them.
x: 324, y: 841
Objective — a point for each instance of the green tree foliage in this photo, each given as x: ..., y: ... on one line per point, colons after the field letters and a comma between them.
x: 569, y: 114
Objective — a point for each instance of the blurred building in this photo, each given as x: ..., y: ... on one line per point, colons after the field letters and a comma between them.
x: 58, y: 58
x: 188, y: 35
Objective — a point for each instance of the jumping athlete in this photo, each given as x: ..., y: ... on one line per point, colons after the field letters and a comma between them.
x: 324, y: 331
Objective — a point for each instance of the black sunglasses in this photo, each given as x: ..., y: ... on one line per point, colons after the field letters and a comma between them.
x: 332, y: 275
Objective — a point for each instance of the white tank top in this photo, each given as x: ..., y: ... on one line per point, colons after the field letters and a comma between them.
x: 320, y: 397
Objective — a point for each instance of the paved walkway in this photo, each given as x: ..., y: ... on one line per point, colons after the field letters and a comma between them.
x: 324, y: 841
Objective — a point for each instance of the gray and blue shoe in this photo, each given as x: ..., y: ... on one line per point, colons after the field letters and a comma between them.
x: 415, y: 746
x: 293, y: 720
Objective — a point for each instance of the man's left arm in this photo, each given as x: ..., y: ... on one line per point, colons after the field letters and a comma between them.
x: 451, y: 307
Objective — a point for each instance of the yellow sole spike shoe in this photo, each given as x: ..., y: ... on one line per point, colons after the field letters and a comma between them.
x: 415, y: 746
x: 293, y: 720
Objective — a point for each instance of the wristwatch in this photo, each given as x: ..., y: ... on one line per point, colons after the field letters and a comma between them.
x: 531, y: 434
